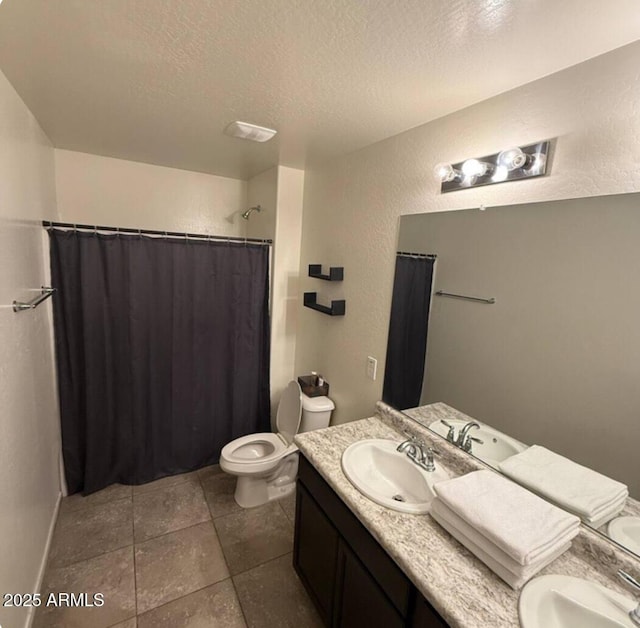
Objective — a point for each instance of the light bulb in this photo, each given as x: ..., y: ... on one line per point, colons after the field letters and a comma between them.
x: 445, y: 172
x: 537, y: 164
x: 512, y: 158
x: 474, y: 168
x: 500, y: 174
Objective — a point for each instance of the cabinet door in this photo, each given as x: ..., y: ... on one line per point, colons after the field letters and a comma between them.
x: 377, y: 562
x: 425, y: 616
x: 315, y: 552
x: 360, y: 602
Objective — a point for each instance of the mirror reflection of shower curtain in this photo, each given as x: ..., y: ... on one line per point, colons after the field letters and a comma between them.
x: 407, y: 345
x: 162, y: 348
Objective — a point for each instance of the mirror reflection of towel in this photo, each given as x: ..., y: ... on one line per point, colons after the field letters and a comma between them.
x: 594, y: 497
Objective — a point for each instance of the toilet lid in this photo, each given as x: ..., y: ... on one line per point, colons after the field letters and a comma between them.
x: 289, y: 412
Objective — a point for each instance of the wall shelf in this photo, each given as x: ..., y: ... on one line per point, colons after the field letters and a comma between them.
x: 337, y: 307
x: 336, y: 273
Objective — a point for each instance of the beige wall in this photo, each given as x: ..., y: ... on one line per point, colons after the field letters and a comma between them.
x: 120, y: 193
x: 352, y: 204
x: 279, y: 191
x: 285, y: 279
x: 29, y: 433
x: 263, y: 190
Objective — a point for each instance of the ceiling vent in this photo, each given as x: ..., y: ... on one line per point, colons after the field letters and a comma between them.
x: 248, y: 131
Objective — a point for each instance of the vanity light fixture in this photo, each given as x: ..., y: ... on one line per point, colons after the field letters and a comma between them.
x: 517, y: 162
x: 512, y: 158
x: 445, y: 173
x: 475, y: 168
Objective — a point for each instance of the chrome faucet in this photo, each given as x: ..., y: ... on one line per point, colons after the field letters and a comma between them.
x: 412, y: 448
x: 418, y: 453
x: 464, y: 441
x: 451, y: 434
x: 634, y: 615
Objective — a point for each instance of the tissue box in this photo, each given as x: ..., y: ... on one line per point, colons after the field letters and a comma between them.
x: 309, y: 385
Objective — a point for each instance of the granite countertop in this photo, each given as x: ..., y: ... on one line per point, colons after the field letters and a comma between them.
x: 465, y: 592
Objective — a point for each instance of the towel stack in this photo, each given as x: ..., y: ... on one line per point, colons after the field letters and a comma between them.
x: 593, y: 497
x: 512, y: 531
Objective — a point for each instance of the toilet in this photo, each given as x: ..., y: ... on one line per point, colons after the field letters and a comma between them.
x: 266, y: 463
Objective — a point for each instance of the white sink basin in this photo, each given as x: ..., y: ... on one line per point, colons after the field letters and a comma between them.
x: 626, y: 531
x: 388, y: 477
x: 566, y: 602
x: 495, y: 446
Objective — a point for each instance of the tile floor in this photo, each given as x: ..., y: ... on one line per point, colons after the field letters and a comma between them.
x: 175, y: 553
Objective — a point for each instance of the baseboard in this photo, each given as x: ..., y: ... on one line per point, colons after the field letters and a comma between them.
x: 45, y: 557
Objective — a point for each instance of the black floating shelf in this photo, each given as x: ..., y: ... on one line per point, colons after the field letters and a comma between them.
x: 336, y: 273
x: 337, y: 307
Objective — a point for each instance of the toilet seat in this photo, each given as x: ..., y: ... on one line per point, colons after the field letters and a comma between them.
x: 243, y: 466
x: 259, y: 453
x: 254, y: 453
x: 253, y: 447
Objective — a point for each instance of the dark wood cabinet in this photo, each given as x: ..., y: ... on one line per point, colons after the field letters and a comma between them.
x: 359, y: 599
x: 350, y: 578
x: 316, y: 553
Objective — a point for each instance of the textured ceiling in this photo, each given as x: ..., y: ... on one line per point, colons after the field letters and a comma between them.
x: 158, y: 80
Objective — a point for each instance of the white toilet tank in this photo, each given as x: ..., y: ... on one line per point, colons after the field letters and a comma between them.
x: 316, y: 413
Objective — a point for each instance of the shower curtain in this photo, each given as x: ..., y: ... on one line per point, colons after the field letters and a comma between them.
x: 407, y: 343
x: 162, y: 349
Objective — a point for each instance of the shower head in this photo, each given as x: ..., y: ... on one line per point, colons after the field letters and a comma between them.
x: 246, y: 214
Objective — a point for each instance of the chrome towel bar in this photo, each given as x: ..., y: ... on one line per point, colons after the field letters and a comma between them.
x: 441, y: 293
x: 20, y: 306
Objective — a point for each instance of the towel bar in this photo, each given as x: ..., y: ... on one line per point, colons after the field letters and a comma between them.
x: 20, y: 306
x: 441, y: 293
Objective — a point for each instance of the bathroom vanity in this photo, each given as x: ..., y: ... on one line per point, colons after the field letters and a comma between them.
x: 350, y: 578
x: 366, y: 565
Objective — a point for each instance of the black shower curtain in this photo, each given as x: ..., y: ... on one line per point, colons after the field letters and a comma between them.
x: 162, y: 348
x: 407, y: 342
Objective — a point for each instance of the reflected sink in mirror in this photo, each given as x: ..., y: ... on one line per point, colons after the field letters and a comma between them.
x: 390, y: 478
x: 495, y: 446
x: 556, y: 601
x: 626, y: 531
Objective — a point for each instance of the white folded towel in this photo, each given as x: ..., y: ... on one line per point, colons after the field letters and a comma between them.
x: 520, y: 523
x: 581, y: 490
x: 444, y: 513
x: 514, y: 580
x: 613, y: 511
x: 608, y: 506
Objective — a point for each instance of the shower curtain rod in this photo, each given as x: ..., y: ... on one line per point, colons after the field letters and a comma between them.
x: 167, y: 234
x: 408, y: 254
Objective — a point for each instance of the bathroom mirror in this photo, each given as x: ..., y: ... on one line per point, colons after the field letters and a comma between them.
x: 548, y: 350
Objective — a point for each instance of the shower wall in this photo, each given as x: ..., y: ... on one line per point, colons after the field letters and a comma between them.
x: 120, y: 193
x: 262, y: 190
